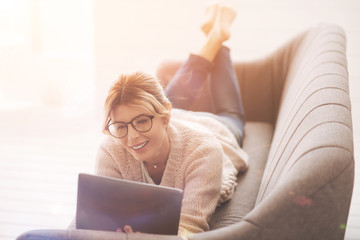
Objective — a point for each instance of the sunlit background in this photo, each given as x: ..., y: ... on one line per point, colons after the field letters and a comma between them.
x: 59, y: 57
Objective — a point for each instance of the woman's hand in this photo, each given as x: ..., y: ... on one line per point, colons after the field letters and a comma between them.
x: 127, y: 229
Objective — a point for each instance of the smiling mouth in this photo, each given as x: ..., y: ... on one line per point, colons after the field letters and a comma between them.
x: 140, y: 146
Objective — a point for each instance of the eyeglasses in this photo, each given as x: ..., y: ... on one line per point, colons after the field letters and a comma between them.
x: 141, y: 123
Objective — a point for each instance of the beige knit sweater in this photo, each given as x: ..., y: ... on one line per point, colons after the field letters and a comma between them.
x: 204, y: 161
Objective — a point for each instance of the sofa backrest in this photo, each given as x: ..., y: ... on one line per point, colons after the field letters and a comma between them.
x: 314, y: 111
x: 307, y: 183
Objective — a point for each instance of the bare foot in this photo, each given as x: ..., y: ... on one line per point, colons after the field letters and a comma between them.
x: 210, y: 17
x: 221, y: 29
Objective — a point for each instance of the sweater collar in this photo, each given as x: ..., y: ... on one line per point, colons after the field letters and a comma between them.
x: 174, y: 160
x: 173, y: 163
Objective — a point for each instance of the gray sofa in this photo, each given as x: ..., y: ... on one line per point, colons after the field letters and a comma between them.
x: 300, y: 142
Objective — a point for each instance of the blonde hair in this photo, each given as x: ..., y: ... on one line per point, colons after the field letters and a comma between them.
x: 137, y: 89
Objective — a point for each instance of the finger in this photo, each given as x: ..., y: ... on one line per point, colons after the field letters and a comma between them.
x: 119, y: 230
x: 128, y: 229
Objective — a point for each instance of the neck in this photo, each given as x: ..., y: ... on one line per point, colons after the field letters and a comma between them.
x: 155, y: 165
x: 163, y: 157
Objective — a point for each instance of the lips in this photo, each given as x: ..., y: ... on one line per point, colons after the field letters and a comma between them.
x: 140, y: 146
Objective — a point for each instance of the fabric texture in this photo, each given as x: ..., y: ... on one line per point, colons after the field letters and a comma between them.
x: 257, y: 145
x: 212, y: 87
x: 200, y: 147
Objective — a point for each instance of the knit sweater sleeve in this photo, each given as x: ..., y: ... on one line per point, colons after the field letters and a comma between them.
x: 106, y: 164
x: 234, y: 158
x: 202, y: 185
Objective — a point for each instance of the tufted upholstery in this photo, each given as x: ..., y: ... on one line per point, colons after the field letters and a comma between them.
x: 299, y: 138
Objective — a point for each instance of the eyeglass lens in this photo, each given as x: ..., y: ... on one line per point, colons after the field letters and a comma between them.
x: 141, y: 123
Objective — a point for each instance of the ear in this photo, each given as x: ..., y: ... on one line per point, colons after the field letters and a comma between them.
x: 166, y: 119
x: 168, y: 106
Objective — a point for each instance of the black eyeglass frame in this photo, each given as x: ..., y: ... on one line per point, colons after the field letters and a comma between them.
x: 131, y: 122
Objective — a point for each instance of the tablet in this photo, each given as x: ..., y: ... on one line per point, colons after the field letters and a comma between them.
x: 106, y: 204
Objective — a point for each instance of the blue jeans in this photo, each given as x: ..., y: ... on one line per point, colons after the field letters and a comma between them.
x: 211, y: 85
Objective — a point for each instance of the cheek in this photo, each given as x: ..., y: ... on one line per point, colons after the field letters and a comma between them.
x: 161, y: 133
x: 156, y: 134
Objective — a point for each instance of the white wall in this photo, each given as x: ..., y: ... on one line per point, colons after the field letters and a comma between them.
x: 46, y: 53
x: 139, y: 34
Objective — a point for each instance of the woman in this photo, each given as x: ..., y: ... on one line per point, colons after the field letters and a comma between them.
x: 152, y: 140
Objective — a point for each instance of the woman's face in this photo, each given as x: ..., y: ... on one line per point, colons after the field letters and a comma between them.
x: 152, y: 146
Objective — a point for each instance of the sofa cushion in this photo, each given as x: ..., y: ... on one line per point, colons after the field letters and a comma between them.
x: 257, y: 141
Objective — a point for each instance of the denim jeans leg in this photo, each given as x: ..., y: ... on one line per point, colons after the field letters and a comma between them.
x: 188, y: 84
x: 224, y: 100
x: 226, y: 93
